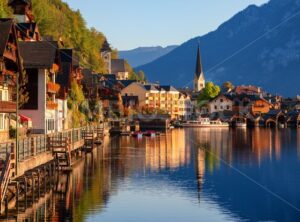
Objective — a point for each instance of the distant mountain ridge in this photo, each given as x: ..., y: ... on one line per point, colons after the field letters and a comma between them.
x: 143, y: 55
x: 259, y: 45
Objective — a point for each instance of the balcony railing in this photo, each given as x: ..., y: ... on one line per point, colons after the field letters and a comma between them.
x: 52, y: 87
x: 52, y: 105
x: 8, y: 107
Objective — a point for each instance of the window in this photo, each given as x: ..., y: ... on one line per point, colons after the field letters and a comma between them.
x: 221, y: 107
x: 216, y: 107
x: 4, y: 95
x: 50, y: 124
x: 2, y: 119
x: 228, y: 107
x: 221, y: 100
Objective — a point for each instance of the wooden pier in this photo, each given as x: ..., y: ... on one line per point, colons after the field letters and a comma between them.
x: 27, y: 171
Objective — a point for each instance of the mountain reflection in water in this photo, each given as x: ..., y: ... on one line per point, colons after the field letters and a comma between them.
x: 184, y: 175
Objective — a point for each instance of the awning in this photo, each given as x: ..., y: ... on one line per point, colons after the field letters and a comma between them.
x: 24, y: 118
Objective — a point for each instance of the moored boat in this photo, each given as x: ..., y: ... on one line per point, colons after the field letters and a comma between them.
x: 204, y: 122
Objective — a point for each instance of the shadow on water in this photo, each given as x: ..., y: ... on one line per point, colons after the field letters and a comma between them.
x: 215, y: 174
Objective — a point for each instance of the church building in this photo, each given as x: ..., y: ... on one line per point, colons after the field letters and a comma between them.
x: 199, y: 80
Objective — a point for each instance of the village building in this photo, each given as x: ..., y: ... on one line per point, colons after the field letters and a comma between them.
x: 155, y: 98
x: 10, y: 69
x: 22, y: 10
x: 106, y: 55
x: 41, y: 62
x: 185, y: 106
x: 69, y: 71
x: 249, y: 90
x: 118, y: 68
x: 199, y: 80
x: 253, y: 104
x: 221, y: 103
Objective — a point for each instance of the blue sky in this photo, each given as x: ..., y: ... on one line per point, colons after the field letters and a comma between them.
x: 132, y: 23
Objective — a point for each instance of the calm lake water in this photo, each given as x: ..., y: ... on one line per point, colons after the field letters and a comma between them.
x: 184, y: 175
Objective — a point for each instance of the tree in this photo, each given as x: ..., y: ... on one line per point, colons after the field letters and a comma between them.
x: 227, y: 86
x: 141, y: 75
x: 209, y: 92
x: 77, y: 105
x: 5, y: 11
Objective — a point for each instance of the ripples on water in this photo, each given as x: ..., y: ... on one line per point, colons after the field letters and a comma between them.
x: 185, y: 175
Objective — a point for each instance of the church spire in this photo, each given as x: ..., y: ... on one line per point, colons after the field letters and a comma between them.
x: 198, y: 64
x: 199, y: 80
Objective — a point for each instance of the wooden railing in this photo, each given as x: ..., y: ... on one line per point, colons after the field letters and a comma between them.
x: 31, y: 146
x: 6, y: 157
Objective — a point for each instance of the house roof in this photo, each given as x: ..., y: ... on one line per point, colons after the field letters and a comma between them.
x: 22, y: 1
x: 118, y: 65
x: 109, y: 76
x: 150, y: 87
x: 5, y: 27
x: 168, y: 88
x: 38, y: 54
x: 105, y: 47
x: 126, y: 83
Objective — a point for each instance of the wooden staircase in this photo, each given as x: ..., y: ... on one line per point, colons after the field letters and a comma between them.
x: 6, y: 167
x: 89, y: 140
x: 61, y: 149
x: 99, y: 135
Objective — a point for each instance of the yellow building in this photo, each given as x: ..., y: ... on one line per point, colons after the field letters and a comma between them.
x: 155, y: 98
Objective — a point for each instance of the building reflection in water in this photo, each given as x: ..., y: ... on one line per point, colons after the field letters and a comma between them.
x: 92, y: 182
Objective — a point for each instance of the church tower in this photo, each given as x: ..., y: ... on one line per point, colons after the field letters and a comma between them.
x: 199, y: 80
x: 106, y: 55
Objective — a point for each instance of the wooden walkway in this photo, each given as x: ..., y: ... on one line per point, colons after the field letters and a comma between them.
x: 26, y: 172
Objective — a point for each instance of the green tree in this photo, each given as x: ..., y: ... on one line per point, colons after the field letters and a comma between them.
x: 227, y: 86
x: 77, y: 106
x: 5, y: 11
x: 141, y: 75
x: 209, y: 92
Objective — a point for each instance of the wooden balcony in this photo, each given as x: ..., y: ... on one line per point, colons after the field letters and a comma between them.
x: 52, y: 105
x: 8, y: 107
x: 52, y: 87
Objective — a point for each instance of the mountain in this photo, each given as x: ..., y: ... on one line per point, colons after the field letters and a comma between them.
x: 259, y: 45
x: 143, y: 55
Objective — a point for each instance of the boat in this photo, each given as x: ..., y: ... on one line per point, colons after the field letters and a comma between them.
x: 204, y: 122
x: 137, y: 134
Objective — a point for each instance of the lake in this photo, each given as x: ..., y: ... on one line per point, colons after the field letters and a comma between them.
x: 183, y: 175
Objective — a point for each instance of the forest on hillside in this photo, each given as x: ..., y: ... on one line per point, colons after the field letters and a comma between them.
x: 55, y: 18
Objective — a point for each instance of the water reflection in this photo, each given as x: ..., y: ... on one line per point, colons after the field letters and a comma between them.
x: 184, y: 175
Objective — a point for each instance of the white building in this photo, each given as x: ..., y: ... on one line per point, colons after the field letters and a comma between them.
x: 220, y: 103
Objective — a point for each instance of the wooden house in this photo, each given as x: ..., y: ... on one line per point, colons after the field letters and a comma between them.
x: 41, y: 61
x: 10, y: 67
